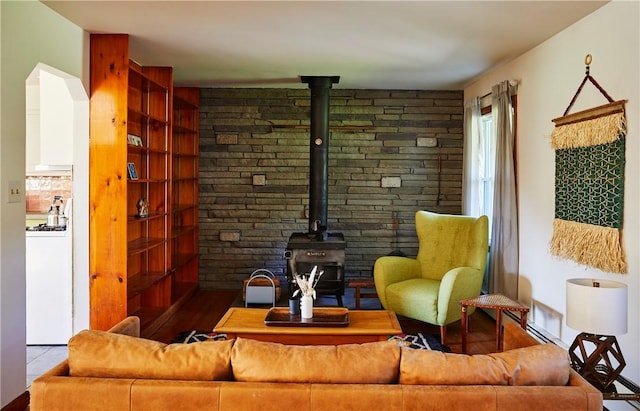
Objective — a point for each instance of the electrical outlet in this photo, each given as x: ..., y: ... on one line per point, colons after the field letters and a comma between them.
x: 14, y: 191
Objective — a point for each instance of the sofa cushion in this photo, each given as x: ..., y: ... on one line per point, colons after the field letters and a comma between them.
x: 102, y: 354
x: 543, y: 364
x: 368, y: 363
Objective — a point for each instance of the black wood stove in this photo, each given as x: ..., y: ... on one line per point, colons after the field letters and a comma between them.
x: 317, y: 247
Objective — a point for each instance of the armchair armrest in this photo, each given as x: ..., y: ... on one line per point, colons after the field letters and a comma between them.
x: 457, y: 284
x: 390, y: 269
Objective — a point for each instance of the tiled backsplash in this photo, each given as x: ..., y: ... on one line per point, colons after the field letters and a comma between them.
x: 40, y: 191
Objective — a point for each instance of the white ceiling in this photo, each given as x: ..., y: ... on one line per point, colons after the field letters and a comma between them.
x: 423, y: 45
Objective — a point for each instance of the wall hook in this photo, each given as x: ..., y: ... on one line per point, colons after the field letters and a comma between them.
x: 587, y: 62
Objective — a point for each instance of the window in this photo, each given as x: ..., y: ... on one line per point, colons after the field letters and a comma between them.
x: 486, y: 166
x: 483, y: 165
x: 486, y: 173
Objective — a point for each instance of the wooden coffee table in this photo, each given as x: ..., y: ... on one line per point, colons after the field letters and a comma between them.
x: 364, y: 326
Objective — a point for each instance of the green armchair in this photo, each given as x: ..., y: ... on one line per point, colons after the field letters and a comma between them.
x: 450, y: 266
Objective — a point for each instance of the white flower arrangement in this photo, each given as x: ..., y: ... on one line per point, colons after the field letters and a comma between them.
x: 307, y: 286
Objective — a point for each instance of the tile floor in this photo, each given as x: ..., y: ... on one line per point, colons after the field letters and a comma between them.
x: 40, y: 358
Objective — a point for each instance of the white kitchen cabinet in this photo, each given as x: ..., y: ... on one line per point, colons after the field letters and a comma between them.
x: 50, y: 120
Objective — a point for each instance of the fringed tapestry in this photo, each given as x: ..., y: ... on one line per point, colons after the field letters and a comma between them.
x: 590, y: 156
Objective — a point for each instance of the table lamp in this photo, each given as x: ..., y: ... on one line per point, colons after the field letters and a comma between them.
x: 597, y: 308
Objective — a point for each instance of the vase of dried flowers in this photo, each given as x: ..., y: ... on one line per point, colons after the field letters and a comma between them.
x: 306, y: 287
x: 306, y: 307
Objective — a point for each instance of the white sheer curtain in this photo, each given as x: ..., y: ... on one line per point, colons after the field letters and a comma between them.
x: 503, y: 261
x: 472, y: 183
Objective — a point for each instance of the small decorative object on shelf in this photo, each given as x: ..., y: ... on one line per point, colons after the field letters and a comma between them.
x: 143, y: 208
x: 306, y: 286
x: 134, y: 140
x: 131, y: 170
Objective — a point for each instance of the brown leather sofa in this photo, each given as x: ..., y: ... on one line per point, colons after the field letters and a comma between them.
x: 117, y: 371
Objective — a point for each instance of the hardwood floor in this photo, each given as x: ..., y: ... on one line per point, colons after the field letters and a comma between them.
x: 201, y: 312
x: 204, y: 310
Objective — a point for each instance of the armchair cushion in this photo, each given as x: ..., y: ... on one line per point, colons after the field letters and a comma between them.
x: 414, y: 298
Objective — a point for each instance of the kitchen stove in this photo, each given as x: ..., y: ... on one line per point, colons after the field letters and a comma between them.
x: 49, y: 284
x: 45, y: 227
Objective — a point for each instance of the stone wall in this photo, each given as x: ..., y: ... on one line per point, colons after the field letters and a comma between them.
x: 391, y: 153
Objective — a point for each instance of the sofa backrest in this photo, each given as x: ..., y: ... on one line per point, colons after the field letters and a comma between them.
x: 104, y: 354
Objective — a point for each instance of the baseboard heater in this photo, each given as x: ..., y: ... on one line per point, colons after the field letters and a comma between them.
x: 538, y: 333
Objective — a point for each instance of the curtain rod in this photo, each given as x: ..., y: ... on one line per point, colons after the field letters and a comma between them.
x: 514, y: 83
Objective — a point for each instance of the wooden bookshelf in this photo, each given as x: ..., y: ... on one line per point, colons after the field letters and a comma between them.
x: 137, y: 261
x: 184, y: 188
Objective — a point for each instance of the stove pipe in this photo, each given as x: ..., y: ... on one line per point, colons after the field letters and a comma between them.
x: 319, y: 152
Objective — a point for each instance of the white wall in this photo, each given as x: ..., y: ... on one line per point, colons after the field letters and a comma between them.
x: 549, y: 76
x: 31, y: 33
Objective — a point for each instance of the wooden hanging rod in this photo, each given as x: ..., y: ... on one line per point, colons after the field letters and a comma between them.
x: 592, y: 113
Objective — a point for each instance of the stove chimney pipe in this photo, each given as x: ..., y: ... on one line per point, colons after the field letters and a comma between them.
x: 319, y: 151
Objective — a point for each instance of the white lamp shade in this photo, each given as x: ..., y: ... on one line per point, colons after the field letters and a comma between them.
x: 597, y: 309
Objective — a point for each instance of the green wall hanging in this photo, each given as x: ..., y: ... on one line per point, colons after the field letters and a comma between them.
x: 589, y: 184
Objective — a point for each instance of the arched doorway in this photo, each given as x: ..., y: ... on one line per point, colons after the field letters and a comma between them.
x: 57, y: 150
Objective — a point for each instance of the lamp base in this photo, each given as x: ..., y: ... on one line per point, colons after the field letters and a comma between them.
x: 586, y: 354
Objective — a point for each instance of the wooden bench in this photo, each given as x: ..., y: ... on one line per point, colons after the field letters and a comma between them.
x: 358, y: 284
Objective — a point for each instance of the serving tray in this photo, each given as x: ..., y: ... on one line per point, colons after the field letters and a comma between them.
x: 322, y: 317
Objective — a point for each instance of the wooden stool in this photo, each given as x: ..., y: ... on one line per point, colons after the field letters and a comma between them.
x: 496, y: 302
x: 359, y: 283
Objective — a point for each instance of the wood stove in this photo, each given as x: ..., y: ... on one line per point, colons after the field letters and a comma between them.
x: 317, y: 246
x: 328, y: 254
